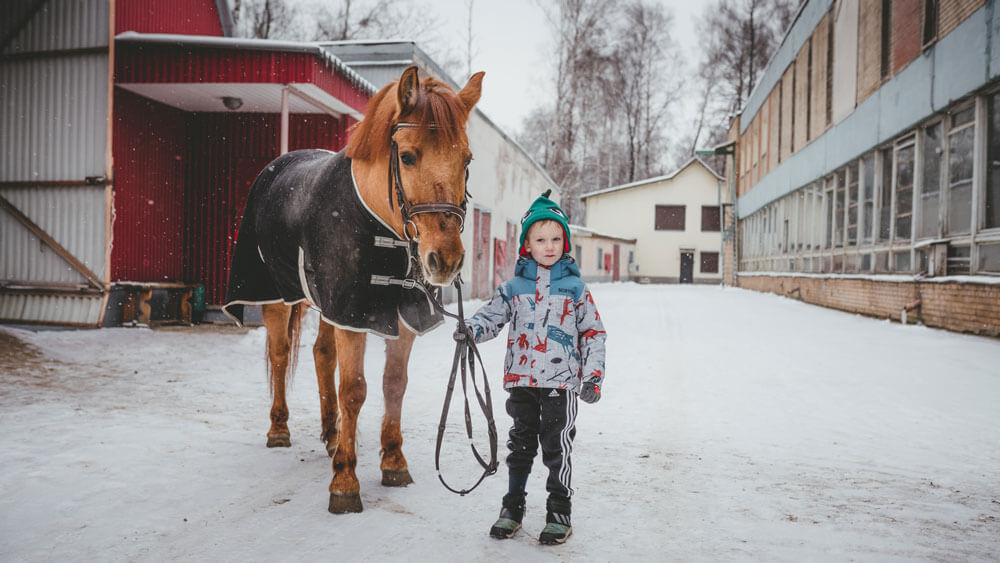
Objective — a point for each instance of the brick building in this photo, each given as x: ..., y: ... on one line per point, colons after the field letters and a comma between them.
x: 867, y: 163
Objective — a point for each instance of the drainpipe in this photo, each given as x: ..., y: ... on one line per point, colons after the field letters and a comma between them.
x: 727, y: 149
x: 907, y: 308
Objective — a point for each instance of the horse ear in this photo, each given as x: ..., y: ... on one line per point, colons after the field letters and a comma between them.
x: 470, y: 94
x: 407, y: 90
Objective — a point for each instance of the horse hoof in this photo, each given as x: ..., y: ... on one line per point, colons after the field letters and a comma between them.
x: 279, y: 441
x: 331, y: 448
x: 343, y: 503
x: 396, y: 477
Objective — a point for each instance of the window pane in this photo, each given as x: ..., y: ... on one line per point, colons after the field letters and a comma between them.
x: 989, y: 258
x: 838, y: 209
x: 960, y: 180
x: 709, y: 262
x: 904, y: 192
x: 929, y: 192
x: 959, y: 259
x: 710, y: 218
x: 885, y: 198
x: 902, y: 261
x: 868, y: 196
x: 993, y: 165
x: 670, y: 217
x: 852, y: 204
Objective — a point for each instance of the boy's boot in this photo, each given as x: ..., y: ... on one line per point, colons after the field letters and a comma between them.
x: 511, y: 514
x: 557, y: 529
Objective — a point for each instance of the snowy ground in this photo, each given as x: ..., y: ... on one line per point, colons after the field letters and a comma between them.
x: 734, y: 426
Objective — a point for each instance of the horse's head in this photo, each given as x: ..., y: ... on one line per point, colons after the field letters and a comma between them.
x: 414, y: 135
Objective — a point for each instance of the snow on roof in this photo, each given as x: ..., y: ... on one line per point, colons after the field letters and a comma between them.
x: 637, y: 183
x: 582, y: 229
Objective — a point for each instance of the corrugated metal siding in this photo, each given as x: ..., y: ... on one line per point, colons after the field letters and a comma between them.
x: 72, y: 215
x: 64, y: 24
x: 54, y: 117
x: 189, y: 17
x: 50, y: 309
x: 226, y: 153
x: 149, y: 190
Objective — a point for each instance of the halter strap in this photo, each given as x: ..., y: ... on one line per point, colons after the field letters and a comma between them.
x: 408, y: 209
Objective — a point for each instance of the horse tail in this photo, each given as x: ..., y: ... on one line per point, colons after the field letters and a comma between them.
x: 294, y: 335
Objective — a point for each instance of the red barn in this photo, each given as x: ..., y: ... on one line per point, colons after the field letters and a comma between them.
x: 191, y: 116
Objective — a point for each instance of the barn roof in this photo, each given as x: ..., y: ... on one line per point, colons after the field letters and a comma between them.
x: 194, y: 73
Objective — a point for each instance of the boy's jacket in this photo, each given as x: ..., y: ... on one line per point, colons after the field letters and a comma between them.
x: 556, y: 338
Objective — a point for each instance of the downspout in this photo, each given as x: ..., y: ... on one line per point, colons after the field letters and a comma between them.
x: 109, y: 166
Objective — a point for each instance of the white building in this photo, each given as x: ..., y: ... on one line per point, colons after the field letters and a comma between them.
x: 674, y: 220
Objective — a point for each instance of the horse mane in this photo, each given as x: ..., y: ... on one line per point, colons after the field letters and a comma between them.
x: 436, y: 104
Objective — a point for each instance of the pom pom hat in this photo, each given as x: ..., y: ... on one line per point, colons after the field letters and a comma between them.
x: 544, y: 208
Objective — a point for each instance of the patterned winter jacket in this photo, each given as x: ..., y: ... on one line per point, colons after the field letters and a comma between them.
x: 556, y: 337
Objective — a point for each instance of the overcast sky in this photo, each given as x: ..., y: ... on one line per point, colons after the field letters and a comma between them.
x: 511, y: 43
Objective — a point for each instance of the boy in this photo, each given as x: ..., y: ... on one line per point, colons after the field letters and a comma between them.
x: 555, y: 351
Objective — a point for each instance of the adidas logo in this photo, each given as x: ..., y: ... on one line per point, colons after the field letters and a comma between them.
x: 554, y: 393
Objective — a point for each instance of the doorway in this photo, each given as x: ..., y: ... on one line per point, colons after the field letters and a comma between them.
x: 687, y: 267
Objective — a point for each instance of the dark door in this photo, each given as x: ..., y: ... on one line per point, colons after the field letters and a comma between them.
x: 616, y: 264
x: 687, y: 267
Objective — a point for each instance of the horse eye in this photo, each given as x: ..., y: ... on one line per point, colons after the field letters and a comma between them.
x: 408, y: 158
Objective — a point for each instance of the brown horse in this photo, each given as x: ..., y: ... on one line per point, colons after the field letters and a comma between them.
x: 338, y: 231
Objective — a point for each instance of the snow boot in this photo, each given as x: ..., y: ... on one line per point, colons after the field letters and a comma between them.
x: 557, y: 529
x: 511, y: 514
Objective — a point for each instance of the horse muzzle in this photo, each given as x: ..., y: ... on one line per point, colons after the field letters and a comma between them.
x: 441, y: 269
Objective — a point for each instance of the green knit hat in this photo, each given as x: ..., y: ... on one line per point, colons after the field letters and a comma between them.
x: 544, y: 208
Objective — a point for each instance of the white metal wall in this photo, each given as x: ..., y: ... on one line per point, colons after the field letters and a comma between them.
x: 54, y: 91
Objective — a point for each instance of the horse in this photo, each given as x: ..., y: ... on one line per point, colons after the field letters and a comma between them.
x: 361, y: 235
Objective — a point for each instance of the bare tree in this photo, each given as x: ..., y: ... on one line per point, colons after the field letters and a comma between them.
x: 740, y: 36
x: 262, y: 19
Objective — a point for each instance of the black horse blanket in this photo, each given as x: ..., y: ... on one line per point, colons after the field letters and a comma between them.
x: 306, y: 234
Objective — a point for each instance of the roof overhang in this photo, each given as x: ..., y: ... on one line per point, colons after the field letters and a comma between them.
x: 196, y: 74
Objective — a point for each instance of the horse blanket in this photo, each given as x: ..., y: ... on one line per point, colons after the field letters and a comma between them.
x: 307, y: 235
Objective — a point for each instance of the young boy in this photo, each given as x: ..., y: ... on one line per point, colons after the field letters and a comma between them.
x: 555, y: 351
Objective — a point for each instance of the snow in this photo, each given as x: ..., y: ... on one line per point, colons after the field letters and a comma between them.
x: 734, y: 426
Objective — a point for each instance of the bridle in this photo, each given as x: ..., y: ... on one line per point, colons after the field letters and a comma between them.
x: 408, y: 209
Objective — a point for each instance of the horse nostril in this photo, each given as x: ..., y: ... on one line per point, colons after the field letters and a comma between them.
x: 433, y: 262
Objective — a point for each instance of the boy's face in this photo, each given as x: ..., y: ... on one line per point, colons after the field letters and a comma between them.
x: 544, y: 242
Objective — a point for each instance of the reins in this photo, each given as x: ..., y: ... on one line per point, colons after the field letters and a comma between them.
x: 466, y: 352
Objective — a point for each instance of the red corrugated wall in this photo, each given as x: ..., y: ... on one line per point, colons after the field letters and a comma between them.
x: 150, y: 154
x: 227, y: 151
x: 188, y: 17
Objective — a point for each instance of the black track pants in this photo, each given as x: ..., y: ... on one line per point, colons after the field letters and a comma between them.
x: 546, y: 417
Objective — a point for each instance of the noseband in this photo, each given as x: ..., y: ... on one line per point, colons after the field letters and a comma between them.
x: 408, y: 209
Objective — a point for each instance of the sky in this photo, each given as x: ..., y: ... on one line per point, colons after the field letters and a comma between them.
x: 512, y: 44
x: 725, y: 432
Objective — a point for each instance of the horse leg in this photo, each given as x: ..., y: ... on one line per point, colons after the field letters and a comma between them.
x: 345, y: 490
x: 325, y: 355
x: 397, y: 356
x: 276, y: 318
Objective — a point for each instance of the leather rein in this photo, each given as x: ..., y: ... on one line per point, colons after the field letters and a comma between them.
x: 466, y: 352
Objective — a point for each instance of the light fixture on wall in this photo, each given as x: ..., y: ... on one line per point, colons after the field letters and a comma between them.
x: 232, y: 102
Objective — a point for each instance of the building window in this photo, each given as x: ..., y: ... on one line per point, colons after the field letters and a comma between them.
x: 710, y: 262
x: 600, y: 257
x: 669, y: 217
x: 710, y: 218
x: 930, y: 21
x: 959, y: 260
x: 992, y: 215
x: 904, y: 192
x: 579, y: 256
x: 867, y: 197
x: 852, y: 204
x: 930, y: 191
x: 989, y: 258
x: 960, y: 141
x: 838, y: 208
x: 885, y: 58
x: 885, y: 195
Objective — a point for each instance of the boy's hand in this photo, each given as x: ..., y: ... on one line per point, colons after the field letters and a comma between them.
x: 590, y: 393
